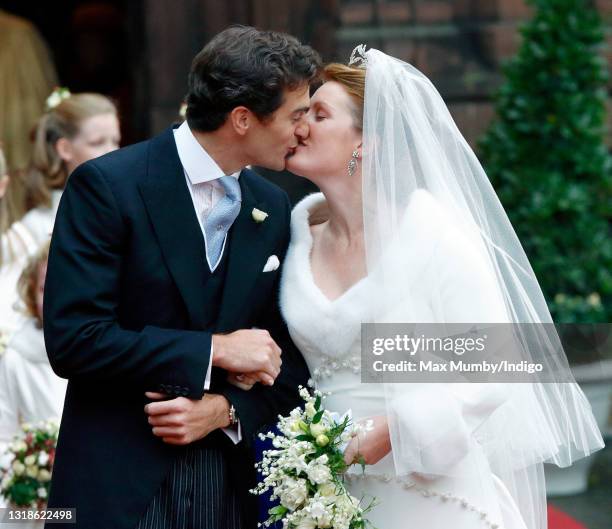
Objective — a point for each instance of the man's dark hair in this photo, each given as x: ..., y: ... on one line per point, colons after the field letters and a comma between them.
x: 243, y: 66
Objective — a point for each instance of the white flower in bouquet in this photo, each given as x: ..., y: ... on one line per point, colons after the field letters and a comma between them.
x: 320, y: 512
x: 42, y: 492
x: 30, y: 460
x: 318, y: 472
x: 44, y: 475
x: 327, y: 490
x: 306, y: 523
x: 292, y: 493
x: 19, y: 446
x: 318, y: 429
x: 43, y: 459
x: 19, y: 468
x: 32, y: 471
x: 310, y: 410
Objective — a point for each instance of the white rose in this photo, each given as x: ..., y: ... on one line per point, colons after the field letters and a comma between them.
x: 317, y: 429
x: 44, y: 475
x: 318, y: 474
x: 19, y: 446
x: 327, y: 490
x: 42, y: 492
x: 306, y: 523
x: 32, y: 471
x: 294, y: 493
x: 43, y: 459
x: 322, y: 440
x: 320, y: 513
x: 30, y: 460
x: 18, y: 468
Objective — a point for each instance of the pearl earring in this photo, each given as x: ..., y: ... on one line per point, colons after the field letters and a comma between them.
x: 352, y: 165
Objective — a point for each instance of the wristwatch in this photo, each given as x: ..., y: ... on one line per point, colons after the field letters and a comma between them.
x: 233, y: 418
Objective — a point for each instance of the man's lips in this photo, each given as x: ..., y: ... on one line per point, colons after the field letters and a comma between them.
x: 293, y: 150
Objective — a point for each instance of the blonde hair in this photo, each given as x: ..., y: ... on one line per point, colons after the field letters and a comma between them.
x: 352, y: 79
x: 48, y: 171
x: 26, y: 286
x: 9, y: 212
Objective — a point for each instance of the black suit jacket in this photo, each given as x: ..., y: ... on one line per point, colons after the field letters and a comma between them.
x: 126, y: 311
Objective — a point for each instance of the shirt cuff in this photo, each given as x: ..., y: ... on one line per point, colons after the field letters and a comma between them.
x: 234, y: 432
x: 209, y: 370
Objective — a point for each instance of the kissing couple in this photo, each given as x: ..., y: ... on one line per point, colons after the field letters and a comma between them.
x: 186, y: 302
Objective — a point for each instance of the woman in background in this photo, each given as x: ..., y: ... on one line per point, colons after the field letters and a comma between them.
x: 16, y: 243
x: 75, y: 129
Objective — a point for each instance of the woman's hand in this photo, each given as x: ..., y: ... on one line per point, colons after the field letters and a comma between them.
x: 241, y: 381
x: 371, y: 445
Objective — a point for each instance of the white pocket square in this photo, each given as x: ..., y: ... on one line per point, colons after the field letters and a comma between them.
x: 271, y: 264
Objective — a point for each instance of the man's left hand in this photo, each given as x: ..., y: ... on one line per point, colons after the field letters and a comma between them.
x: 182, y: 421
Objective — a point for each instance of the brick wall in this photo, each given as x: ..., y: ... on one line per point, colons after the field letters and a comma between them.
x: 459, y: 44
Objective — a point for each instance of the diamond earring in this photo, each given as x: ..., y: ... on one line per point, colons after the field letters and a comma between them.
x: 352, y: 165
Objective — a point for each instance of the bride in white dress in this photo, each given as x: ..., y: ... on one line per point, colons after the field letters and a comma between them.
x: 408, y: 229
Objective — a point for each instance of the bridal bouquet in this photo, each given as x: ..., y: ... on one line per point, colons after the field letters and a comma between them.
x: 30, y: 458
x: 305, y: 469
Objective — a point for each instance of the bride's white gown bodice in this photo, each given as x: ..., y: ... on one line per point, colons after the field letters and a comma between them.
x: 328, y: 334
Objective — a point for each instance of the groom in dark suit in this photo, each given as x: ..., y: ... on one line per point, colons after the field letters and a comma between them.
x: 161, y: 291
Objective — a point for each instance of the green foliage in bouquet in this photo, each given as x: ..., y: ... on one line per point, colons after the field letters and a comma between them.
x: 27, y: 480
x: 546, y: 158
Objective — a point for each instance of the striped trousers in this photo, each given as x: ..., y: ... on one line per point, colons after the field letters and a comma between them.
x: 197, y: 494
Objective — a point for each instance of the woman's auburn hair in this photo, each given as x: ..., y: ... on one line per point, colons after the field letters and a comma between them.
x: 352, y: 79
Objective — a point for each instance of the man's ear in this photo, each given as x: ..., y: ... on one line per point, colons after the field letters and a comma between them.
x: 241, y: 119
x: 63, y: 146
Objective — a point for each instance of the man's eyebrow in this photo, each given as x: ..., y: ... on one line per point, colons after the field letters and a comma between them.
x: 301, y: 110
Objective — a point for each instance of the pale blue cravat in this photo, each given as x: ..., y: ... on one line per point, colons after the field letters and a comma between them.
x: 221, y: 218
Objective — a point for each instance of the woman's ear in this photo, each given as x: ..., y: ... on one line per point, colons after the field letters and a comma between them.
x: 359, y: 150
x: 240, y: 119
x: 64, y: 149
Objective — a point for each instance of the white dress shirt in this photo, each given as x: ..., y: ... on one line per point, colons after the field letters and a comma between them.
x: 201, y: 174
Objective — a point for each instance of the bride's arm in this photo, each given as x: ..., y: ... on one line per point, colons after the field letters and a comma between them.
x: 432, y: 425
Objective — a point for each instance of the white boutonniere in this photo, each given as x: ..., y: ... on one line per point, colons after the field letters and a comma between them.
x: 258, y: 215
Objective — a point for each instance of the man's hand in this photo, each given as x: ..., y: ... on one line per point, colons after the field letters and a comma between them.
x: 182, y: 421
x: 248, y: 352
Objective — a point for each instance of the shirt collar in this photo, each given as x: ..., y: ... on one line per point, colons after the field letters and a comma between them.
x: 197, y: 163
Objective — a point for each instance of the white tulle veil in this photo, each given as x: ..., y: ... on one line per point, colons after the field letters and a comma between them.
x: 412, y: 148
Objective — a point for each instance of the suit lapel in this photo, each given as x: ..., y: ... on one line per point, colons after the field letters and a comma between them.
x: 174, y: 220
x: 248, y: 250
